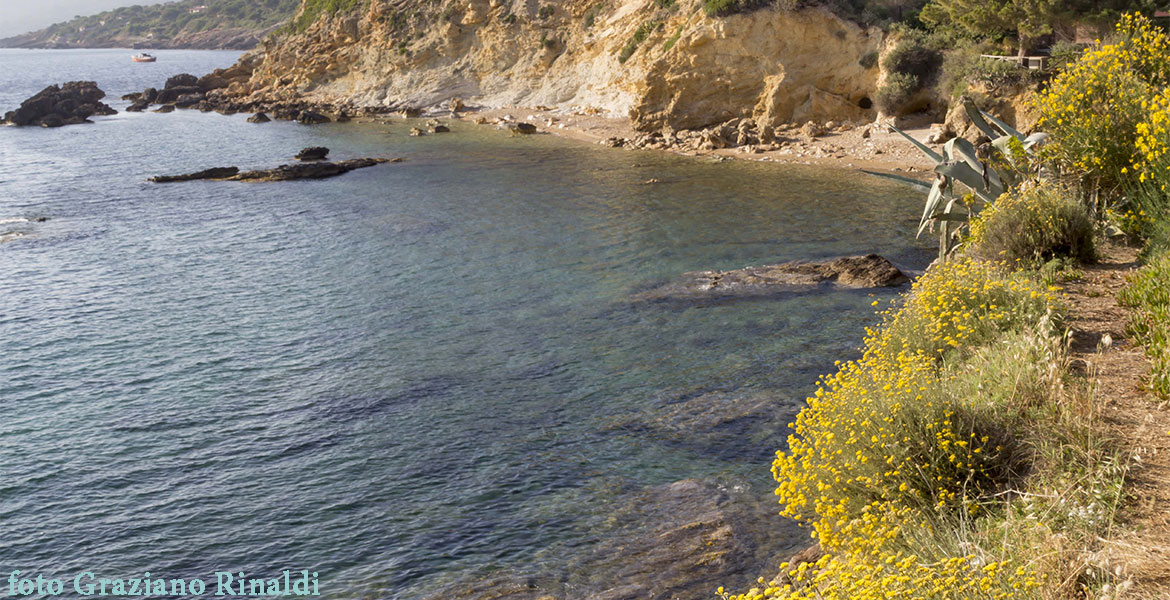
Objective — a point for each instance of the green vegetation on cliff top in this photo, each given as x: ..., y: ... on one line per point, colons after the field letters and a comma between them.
x: 160, y: 22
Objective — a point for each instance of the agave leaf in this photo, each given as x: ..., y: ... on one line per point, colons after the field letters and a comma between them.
x: 925, y: 150
x: 976, y: 117
x: 1036, y: 138
x: 922, y: 185
x: 957, y: 217
x: 933, y: 199
x: 1004, y: 127
x: 961, y: 148
x: 970, y: 178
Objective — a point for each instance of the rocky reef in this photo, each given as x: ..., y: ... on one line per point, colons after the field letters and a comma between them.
x: 309, y: 170
x: 55, y: 106
x: 867, y: 271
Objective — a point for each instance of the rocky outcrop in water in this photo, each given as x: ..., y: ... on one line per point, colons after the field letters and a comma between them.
x: 867, y: 271
x: 314, y: 153
x: 313, y: 170
x: 55, y: 106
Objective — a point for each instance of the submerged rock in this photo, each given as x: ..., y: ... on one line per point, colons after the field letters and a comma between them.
x: 679, y: 540
x: 166, y: 108
x: 56, y: 106
x: 522, y: 128
x: 314, y: 170
x: 867, y: 271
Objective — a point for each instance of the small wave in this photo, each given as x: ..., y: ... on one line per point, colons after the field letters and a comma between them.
x: 9, y: 220
x: 8, y: 236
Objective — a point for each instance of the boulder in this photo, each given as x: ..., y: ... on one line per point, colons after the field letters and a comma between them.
x: 812, y: 130
x: 867, y: 271
x: 416, y: 132
x: 285, y: 113
x: 314, y: 153
x: 182, y: 80
x: 188, y: 100
x: 68, y: 104
x: 440, y: 129
x: 309, y: 117
x: 522, y: 128
x: 259, y: 118
x: 138, y: 106
x: 456, y: 105
x: 166, y: 108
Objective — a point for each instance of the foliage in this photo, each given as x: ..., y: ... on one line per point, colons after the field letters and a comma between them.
x: 1033, y: 226
x: 644, y: 30
x: 896, y: 91
x: 1023, y: 19
x: 167, y: 21
x: 868, y: 60
x: 1094, y: 108
x: 921, y: 467
x: 1149, y: 294
x: 592, y: 14
x: 546, y: 11
x: 723, y: 8
x: 911, y: 65
x: 311, y: 10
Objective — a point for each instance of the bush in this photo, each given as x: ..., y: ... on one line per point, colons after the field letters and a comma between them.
x: 1093, y: 109
x: 1149, y: 294
x: 896, y: 91
x: 1032, y: 227
x: 723, y: 8
x: 311, y: 10
x: 868, y: 60
x: 914, y: 55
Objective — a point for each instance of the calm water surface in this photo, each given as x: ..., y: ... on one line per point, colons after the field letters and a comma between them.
x: 393, y: 377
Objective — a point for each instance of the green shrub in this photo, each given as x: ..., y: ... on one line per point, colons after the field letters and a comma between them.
x: 896, y: 91
x: 644, y: 30
x: 311, y: 10
x: 868, y: 60
x: 914, y: 55
x: 1033, y: 226
x: 546, y: 11
x: 1149, y: 294
x: 723, y: 8
x: 592, y: 14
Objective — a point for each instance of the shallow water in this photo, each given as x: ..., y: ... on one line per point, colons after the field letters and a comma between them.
x: 392, y: 377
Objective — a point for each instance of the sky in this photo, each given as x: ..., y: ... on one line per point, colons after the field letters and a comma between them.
x: 23, y: 16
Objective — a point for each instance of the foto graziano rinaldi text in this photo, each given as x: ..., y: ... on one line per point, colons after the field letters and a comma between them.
x: 221, y: 583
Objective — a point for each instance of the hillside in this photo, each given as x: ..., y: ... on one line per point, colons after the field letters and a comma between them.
x: 203, y: 24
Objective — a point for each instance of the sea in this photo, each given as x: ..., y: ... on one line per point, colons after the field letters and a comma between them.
x: 413, y: 375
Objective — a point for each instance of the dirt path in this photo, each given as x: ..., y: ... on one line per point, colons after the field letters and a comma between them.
x: 1140, y: 422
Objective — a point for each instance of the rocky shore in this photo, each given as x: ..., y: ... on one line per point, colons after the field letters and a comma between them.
x: 56, y: 106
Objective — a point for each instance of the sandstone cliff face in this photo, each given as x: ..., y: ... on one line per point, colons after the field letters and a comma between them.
x: 662, y: 67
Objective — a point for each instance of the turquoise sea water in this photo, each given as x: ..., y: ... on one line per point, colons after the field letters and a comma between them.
x: 393, y: 378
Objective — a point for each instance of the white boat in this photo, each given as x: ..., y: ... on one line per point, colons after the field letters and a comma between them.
x: 143, y: 57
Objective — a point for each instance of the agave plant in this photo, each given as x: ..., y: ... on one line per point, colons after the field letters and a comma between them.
x: 982, y: 183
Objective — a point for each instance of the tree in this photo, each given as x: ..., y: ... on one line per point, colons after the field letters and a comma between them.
x: 1027, y: 20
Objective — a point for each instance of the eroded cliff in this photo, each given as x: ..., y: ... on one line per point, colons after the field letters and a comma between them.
x: 661, y: 63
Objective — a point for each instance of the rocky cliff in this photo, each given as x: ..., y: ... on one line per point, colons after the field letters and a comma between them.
x: 662, y: 63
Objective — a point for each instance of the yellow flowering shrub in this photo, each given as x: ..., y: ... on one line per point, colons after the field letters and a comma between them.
x: 895, y: 443
x: 1093, y: 108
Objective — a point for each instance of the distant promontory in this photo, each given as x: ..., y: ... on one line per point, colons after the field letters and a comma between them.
x: 196, y: 24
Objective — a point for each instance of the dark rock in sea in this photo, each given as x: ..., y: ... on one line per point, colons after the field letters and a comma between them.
x: 259, y: 118
x: 313, y: 170
x: 309, y: 117
x: 188, y: 100
x: 216, y: 173
x: 314, y: 153
x: 285, y: 113
x: 166, y: 108
x: 170, y: 95
x: 132, y: 97
x: 52, y: 120
x: 440, y: 129
x: 679, y: 540
x: 416, y: 132
x: 343, y: 117
x: 204, y: 106
x: 852, y: 271
x: 150, y: 95
x: 182, y: 80
x: 68, y: 104
x: 138, y: 106
x: 522, y: 128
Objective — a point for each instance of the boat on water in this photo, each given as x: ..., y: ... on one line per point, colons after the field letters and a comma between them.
x: 143, y: 57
